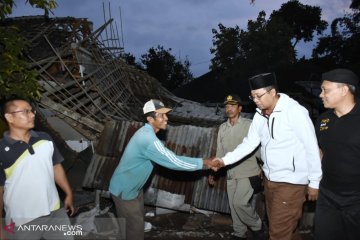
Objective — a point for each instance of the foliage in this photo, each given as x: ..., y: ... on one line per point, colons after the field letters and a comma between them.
x: 342, y: 46
x: 263, y: 44
x: 355, y: 4
x: 266, y: 44
x: 303, y: 20
x: 227, y: 42
x: 6, y: 6
x: 15, y: 76
x: 163, y: 66
x: 131, y: 60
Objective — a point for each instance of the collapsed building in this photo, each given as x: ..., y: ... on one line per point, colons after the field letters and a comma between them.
x: 89, y: 87
x: 87, y: 84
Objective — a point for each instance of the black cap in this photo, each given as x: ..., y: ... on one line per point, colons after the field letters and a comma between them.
x: 262, y: 80
x: 232, y: 99
x: 341, y: 75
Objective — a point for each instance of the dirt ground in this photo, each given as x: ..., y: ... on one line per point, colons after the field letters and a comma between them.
x: 167, y: 224
x: 191, y: 226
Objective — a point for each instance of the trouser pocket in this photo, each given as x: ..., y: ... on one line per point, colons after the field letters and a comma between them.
x: 256, y: 183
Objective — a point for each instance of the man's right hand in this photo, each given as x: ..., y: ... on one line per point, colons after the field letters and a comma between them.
x: 218, y: 163
x: 213, y: 163
x: 208, y: 163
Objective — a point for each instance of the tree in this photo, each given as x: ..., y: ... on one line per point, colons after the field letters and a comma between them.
x: 342, y: 46
x: 163, y: 66
x: 303, y: 20
x: 15, y: 76
x: 261, y: 47
x: 6, y: 6
x: 355, y: 4
x: 131, y: 60
x: 226, y: 48
x: 266, y: 44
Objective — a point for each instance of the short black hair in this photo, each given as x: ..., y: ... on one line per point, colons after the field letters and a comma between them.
x: 150, y: 114
x: 7, y: 103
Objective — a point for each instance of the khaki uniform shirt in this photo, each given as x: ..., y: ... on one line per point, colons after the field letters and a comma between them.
x: 229, y: 137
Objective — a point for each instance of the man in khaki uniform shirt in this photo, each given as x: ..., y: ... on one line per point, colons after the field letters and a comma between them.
x: 239, y: 189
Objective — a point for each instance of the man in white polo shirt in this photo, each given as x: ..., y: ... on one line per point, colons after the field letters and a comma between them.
x: 30, y: 165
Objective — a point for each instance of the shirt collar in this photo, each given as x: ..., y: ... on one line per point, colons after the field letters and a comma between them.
x: 12, y: 141
x: 238, y: 121
x: 354, y: 111
x: 356, y: 108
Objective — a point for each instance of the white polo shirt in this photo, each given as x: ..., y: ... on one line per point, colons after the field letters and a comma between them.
x: 27, y: 174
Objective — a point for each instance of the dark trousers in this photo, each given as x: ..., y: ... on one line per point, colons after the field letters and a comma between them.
x: 133, y: 213
x: 337, y: 216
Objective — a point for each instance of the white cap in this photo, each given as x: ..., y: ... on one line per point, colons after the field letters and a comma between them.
x: 155, y: 105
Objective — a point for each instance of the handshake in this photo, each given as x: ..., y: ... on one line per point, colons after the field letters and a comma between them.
x: 214, y: 163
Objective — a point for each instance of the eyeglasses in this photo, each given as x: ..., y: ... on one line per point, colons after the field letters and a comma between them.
x: 25, y: 111
x: 252, y: 98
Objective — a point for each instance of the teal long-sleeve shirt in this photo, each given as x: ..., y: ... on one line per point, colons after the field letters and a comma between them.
x: 136, y: 165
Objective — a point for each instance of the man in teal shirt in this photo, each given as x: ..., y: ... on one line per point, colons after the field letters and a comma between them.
x: 136, y: 165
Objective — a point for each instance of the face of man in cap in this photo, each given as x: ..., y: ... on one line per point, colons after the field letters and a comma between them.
x: 159, y: 121
x: 232, y: 106
x: 156, y: 114
x: 232, y: 110
x: 332, y: 93
x: 264, y: 98
x: 335, y: 88
x: 262, y: 91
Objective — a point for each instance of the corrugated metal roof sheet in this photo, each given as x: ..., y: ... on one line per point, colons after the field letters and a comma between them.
x: 183, y: 140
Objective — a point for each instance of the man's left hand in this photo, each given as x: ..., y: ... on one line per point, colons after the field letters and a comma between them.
x: 312, y: 194
x: 69, y: 205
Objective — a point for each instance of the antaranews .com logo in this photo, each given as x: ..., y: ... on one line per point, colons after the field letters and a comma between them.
x: 68, y: 230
